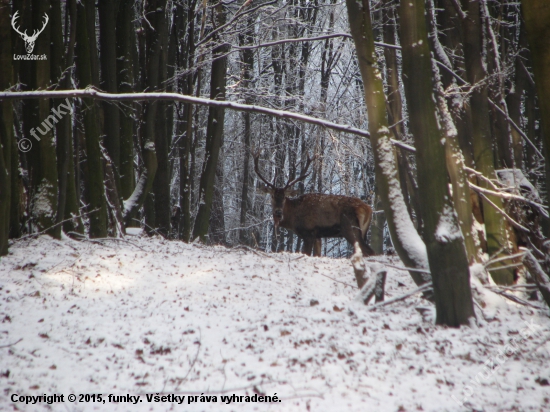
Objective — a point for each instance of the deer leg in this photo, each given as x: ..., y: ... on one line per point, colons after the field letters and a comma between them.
x: 307, y: 246
x: 353, y: 233
x: 317, y: 247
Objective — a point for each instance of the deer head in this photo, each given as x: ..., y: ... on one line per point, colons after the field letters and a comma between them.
x: 279, y: 194
x: 29, y: 40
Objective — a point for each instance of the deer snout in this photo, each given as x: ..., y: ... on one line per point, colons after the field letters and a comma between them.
x: 278, y: 214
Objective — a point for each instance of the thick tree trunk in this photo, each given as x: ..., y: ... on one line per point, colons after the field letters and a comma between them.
x: 406, y: 240
x: 95, y: 189
x: 161, y: 185
x: 441, y: 232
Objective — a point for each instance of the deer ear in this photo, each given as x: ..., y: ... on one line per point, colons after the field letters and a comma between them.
x: 292, y: 192
x: 265, y: 189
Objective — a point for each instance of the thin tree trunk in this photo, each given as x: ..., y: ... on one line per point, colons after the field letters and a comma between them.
x: 127, y: 48
x: 7, y: 136
x: 495, y: 226
x: 44, y: 205
x: 214, y: 132
x: 536, y: 14
x: 108, y: 10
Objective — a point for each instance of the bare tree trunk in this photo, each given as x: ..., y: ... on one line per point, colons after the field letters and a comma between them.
x: 441, y: 232
x: 214, y: 132
x: 95, y: 188
x: 161, y: 185
x: 7, y: 136
x: 44, y: 205
x: 495, y: 226
x: 126, y: 58
x: 108, y: 10
x: 405, y: 239
x: 247, y: 70
x: 536, y: 14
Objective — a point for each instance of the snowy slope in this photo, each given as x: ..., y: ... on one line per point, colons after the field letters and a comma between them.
x: 146, y: 316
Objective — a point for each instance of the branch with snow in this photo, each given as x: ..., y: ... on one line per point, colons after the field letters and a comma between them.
x: 99, y: 95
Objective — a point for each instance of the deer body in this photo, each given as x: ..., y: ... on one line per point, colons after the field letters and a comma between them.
x: 314, y: 216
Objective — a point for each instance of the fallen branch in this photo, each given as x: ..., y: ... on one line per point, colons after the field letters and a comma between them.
x: 422, y: 288
x: 11, y: 344
x: 508, y: 196
x: 513, y: 298
x: 373, y: 286
x: 503, y: 213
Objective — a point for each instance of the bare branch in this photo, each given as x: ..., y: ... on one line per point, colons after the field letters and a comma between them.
x: 518, y: 129
x: 503, y: 213
x: 303, y: 175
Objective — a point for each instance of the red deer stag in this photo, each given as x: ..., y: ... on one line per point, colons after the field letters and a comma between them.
x: 313, y: 216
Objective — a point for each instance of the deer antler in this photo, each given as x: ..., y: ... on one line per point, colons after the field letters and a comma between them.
x: 37, y: 32
x: 13, y: 19
x: 256, y: 155
x: 304, y: 173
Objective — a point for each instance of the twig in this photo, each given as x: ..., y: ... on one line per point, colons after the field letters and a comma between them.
x: 509, y: 196
x: 513, y: 298
x: 507, y: 257
x: 518, y: 129
x: 503, y: 213
x: 339, y: 281
x: 422, y: 288
x: 401, y: 267
x: 402, y: 145
x: 11, y: 344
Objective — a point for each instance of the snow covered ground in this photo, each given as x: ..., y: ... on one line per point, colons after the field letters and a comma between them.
x: 147, y: 316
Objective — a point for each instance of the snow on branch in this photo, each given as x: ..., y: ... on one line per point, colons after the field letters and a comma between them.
x: 99, y: 95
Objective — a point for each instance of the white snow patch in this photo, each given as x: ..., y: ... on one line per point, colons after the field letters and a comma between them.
x: 147, y: 315
x: 447, y: 229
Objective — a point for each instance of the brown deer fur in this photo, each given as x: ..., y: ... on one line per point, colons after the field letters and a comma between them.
x: 314, y: 216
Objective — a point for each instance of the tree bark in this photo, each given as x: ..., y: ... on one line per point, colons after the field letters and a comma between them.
x: 95, y: 188
x: 7, y: 136
x: 536, y: 14
x: 108, y: 10
x: 214, y: 132
x: 495, y: 227
x: 126, y: 58
x: 406, y: 241
x: 441, y: 232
